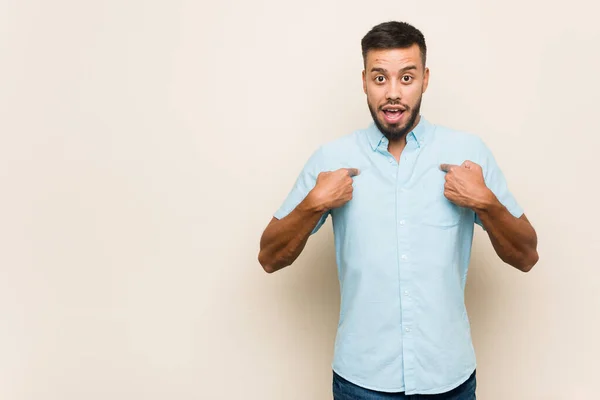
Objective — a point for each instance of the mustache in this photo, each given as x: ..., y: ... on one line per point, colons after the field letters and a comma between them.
x: 395, y: 103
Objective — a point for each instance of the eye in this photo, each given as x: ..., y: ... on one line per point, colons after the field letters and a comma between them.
x: 380, y: 79
x: 406, y: 78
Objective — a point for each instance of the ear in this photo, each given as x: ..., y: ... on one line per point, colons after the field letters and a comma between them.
x: 364, y: 79
x: 425, y: 79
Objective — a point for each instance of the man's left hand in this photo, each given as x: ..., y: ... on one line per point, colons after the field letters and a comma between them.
x: 465, y: 185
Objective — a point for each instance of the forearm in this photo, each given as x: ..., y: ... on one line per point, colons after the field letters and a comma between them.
x: 284, y: 239
x: 514, y: 239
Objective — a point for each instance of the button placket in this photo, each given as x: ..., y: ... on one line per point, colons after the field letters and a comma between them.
x: 405, y: 266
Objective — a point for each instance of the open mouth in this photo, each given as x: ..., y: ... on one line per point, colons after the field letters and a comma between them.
x: 393, y: 115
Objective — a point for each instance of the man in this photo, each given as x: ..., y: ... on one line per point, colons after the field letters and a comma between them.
x: 404, y: 195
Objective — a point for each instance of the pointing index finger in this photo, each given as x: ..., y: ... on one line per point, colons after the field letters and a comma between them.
x: 352, y: 171
x: 448, y: 167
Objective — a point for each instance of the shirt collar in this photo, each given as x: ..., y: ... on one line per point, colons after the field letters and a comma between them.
x: 418, y: 134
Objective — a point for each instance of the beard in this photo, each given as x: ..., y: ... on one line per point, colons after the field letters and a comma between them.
x: 395, y: 132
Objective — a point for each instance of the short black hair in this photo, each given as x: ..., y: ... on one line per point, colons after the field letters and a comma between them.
x: 393, y: 35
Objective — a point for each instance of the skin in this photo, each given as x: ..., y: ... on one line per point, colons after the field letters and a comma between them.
x: 395, y: 77
x: 283, y: 240
x: 398, y: 78
x: 514, y: 239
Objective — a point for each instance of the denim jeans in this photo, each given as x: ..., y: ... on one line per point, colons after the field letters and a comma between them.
x: 345, y: 390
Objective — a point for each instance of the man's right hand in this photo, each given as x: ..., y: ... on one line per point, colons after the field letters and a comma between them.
x: 283, y: 239
x: 333, y: 189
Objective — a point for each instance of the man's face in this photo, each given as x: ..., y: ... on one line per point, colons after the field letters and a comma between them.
x: 394, y: 81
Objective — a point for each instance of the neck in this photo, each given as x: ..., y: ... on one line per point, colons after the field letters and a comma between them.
x: 397, y: 146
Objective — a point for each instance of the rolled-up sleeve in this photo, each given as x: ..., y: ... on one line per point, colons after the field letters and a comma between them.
x: 304, y: 184
x: 496, y: 182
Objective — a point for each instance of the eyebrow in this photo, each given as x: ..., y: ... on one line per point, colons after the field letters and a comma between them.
x: 383, y: 70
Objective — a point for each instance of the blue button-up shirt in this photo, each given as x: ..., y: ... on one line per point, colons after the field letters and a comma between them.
x: 402, y: 252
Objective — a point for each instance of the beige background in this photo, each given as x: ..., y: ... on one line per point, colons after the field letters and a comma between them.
x: 144, y: 146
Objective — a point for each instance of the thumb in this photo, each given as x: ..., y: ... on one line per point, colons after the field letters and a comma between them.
x: 468, y: 164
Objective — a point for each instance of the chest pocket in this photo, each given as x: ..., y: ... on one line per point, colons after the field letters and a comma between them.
x: 434, y: 209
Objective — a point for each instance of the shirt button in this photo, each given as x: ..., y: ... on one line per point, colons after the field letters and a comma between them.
x: 404, y: 257
x: 391, y: 161
x: 406, y: 292
x: 402, y: 222
x: 407, y: 329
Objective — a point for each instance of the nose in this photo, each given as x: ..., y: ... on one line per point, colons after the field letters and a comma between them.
x: 394, y: 93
